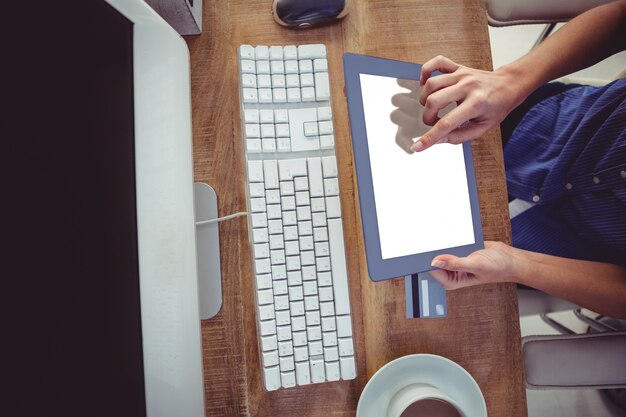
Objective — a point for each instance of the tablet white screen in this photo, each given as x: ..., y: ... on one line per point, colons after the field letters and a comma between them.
x: 422, y: 199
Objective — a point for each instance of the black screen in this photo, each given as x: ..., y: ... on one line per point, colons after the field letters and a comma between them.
x: 70, y: 274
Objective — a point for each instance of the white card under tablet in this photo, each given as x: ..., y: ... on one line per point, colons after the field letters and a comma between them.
x: 414, y: 206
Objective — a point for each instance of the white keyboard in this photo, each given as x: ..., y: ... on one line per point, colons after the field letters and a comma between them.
x: 301, y: 282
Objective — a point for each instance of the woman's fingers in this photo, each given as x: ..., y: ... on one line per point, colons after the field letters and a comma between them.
x: 439, y: 63
x: 437, y: 83
x: 442, y: 129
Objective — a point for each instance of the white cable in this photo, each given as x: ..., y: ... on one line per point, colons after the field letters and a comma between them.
x: 219, y: 219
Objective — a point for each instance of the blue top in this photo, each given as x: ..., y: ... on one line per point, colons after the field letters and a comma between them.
x: 568, y: 155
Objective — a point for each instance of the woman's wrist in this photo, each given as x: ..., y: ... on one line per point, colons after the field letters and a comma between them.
x: 520, y: 265
x: 518, y: 81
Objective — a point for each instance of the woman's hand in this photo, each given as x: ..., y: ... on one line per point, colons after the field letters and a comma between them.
x: 498, y: 262
x: 484, y: 98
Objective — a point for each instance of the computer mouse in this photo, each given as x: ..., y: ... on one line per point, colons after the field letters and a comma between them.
x: 308, y: 13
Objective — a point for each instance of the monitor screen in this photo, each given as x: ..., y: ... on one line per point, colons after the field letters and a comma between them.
x: 422, y: 199
x: 74, y: 258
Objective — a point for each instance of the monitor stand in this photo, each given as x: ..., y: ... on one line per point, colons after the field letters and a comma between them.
x: 208, y: 250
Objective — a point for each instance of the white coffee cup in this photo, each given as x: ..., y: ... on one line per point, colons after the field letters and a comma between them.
x: 413, y: 393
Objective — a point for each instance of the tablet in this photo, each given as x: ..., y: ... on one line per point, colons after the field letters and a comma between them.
x: 414, y: 206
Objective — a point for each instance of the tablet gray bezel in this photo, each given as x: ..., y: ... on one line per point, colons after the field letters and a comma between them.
x: 381, y: 269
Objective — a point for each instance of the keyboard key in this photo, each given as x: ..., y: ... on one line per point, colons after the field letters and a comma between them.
x: 348, y: 367
x: 307, y: 80
x: 281, y: 116
x: 312, y: 318
x: 263, y: 281
x: 345, y: 346
x: 288, y: 379
x: 248, y: 66
x: 277, y: 67
x: 331, y: 186
x: 301, y: 354
x: 251, y: 116
x: 310, y: 129
x: 262, y: 67
x: 306, y: 65
x: 269, y: 343
x: 340, y: 273
x: 246, y: 52
x: 308, y: 94
x: 332, y: 371
x: 291, y: 67
x: 290, y: 52
x: 320, y: 65
x: 253, y: 145
x: 262, y: 266
x: 303, y: 374
x: 276, y: 53
x: 253, y: 131
x: 268, y: 145
x: 283, y: 318
x: 250, y: 95
x: 322, y: 86
x: 272, y: 378
x: 312, y: 51
x: 328, y: 324
x: 298, y: 324
x: 266, y: 312
x: 292, y: 248
x: 324, y: 113
x: 280, y: 95
x: 293, y: 95
x: 327, y: 141
x: 294, y: 278
x: 344, y: 326
x: 289, y: 168
x: 329, y: 338
x: 285, y: 348
x: 270, y: 171
x: 333, y: 207
x: 315, y: 348
x: 256, y: 189
x: 265, y: 297
x: 326, y: 127
x: 331, y: 354
x: 278, y: 80
x: 248, y: 80
x: 264, y: 81
x: 329, y: 166
x: 266, y: 116
x: 265, y: 95
x: 318, y: 371
x: 270, y: 358
x: 292, y: 80
x: 286, y: 363
x: 262, y: 52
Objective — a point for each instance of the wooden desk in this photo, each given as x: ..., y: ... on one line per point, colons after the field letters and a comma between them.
x: 482, y: 331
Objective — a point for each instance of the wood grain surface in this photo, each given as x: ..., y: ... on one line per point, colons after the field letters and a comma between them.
x: 481, y: 332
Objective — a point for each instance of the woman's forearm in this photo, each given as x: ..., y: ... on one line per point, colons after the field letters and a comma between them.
x: 582, y: 42
x: 600, y: 287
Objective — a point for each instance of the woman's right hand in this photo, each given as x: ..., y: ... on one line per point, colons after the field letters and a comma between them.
x: 483, y: 98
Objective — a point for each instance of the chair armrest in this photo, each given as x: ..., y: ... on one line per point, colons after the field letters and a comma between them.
x: 533, y: 302
x: 521, y: 12
x: 579, y: 361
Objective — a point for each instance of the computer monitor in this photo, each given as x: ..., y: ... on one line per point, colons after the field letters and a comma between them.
x: 102, y: 267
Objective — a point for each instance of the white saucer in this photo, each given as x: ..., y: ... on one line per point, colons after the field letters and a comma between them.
x: 434, y: 370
